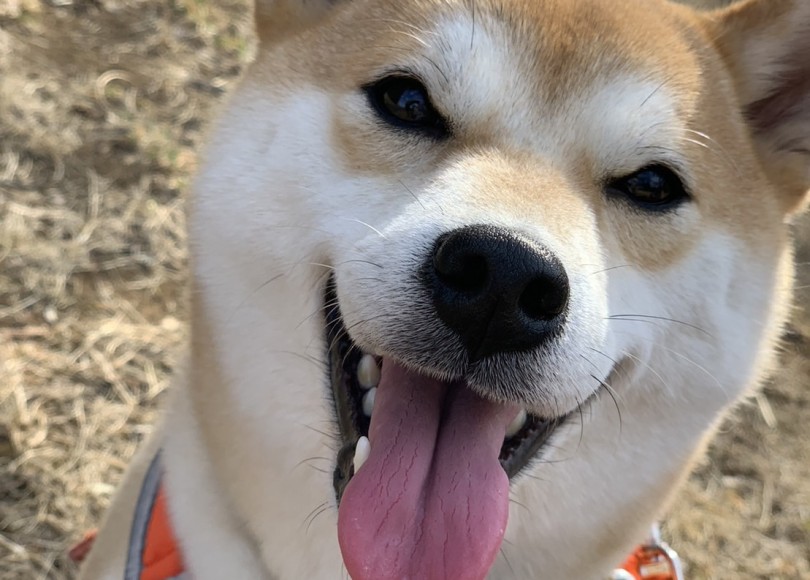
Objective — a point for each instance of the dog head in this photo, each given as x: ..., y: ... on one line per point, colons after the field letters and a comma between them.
x: 527, y: 212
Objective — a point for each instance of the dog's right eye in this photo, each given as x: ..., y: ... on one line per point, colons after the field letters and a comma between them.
x: 654, y: 187
x: 403, y: 102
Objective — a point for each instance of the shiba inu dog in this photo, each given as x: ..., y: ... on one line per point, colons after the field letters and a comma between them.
x: 473, y: 283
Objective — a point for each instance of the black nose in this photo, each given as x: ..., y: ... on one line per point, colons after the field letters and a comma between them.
x: 497, y: 291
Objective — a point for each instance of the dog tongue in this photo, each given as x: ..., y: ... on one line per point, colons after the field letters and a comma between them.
x: 431, y: 500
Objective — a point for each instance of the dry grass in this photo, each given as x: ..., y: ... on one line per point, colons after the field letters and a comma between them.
x: 102, y: 103
x: 101, y: 107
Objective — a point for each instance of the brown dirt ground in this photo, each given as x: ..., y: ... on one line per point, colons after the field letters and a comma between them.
x: 102, y: 104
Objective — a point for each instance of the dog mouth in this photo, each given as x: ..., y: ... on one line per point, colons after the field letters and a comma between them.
x: 422, y: 477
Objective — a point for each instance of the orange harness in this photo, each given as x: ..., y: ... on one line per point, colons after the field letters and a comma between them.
x: 153, y: 551
x: 154, y: 554
x: 653, y: 560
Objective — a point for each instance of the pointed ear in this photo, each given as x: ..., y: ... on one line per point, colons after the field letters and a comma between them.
x: 766, y: 45
x: 276, y: 19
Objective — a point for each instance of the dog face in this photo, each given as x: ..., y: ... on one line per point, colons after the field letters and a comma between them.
x: 528, y: 212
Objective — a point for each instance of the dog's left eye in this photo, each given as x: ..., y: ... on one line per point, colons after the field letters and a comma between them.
x: 404, y: 102
x: 652, y: 187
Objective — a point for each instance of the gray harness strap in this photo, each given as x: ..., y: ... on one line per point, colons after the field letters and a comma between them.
x: 140, y: 521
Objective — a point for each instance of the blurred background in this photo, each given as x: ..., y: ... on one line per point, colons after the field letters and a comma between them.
x: 103, y: 105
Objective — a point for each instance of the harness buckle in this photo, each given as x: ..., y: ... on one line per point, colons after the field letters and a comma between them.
x: 653, y: 560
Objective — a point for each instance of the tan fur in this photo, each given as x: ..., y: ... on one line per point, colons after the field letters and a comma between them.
x: 746, y: 36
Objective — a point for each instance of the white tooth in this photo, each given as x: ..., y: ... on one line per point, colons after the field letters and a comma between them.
x: 517, y: 424
x: 368, y: 372
x: 368, y: 402
x: 361, y: 452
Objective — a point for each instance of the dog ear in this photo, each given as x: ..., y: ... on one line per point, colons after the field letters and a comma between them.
x: 766, y: 45
x: 276, y: 19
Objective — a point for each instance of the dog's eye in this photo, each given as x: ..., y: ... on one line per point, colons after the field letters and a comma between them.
x: 652, y: 187
x: 404, y: 102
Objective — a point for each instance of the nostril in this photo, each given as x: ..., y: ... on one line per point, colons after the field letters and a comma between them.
x: 498, y: 291
x: 467, y: 274
x: 544, y: 298
x: 462, y: 271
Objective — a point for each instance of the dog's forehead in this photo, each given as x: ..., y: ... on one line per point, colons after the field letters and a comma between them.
x: 530, y: 68
x: 562, y: 75
x: 560, y: 46
x: 563, y: 43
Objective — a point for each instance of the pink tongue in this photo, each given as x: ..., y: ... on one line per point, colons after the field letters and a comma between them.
x: 431, y: 501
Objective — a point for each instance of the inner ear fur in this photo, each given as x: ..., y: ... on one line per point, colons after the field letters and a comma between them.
x: 766, y: 45
x: 277, y: 19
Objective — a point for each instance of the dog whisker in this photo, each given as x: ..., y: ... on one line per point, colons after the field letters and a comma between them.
x: 324, y: 433
x: 603, y: 383
x: 365, y: 321
x: 517, y: 503
x: 308, y: 461
x: 323, y: 509
x: 347, y: 329
x: 259, y: 288
x: 328, y: 304
x: 408, y: 189
x: 649, y: 368
x: 720, y: 149
x: 660, y: 86
x: 617, y: 366
x: 361, y: 261
x: 369, y: 226
x: 506, y: 559
x: 613, y: 396
x: 314, y: 458
x: 314, y: 510
x: 677, y: 354
x: 651, y: 317
x: 306, y: 357
x: 612, y: 268
x: 320, y: 281
x: 421, y: 41
x: 697, y: 365
x: 327, y: 266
